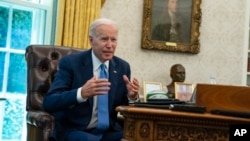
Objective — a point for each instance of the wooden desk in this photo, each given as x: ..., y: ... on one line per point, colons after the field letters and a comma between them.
x: 152, y: 124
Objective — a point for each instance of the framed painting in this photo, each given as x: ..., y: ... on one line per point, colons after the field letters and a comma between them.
x: 171, y: 25
x: 183, y: 91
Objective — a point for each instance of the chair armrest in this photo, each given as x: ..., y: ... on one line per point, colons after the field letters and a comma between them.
x: 42, y: 120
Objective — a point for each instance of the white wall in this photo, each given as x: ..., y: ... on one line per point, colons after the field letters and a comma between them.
x: 222, y: 41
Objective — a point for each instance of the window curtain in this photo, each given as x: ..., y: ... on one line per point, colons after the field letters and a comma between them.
x: 73, y: 20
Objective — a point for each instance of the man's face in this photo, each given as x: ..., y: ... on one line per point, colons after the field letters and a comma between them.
x: 172, y: 5
x: 105, y: 42
x: 179, y: 74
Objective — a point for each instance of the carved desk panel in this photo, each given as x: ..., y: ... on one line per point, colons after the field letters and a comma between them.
x: 152, y: 124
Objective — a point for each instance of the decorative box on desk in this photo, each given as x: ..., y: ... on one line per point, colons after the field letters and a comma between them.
x: 223, y: 97
x: 154, y: 124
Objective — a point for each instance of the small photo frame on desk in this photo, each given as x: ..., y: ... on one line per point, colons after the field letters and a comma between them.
x: 150, y: 86
x: 183, y: 91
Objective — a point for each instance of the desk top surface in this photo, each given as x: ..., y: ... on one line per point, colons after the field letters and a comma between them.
x: 167, y: 112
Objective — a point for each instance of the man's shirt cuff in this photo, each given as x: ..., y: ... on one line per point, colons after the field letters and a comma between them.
x: 79, y: 97
x: 136, y: 100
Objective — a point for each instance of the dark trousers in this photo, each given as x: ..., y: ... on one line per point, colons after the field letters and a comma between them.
x: 88, y: 136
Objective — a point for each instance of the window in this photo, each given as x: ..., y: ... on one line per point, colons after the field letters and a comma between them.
x: 21, y: 23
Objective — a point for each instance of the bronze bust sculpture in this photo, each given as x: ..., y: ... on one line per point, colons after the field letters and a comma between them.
x: 177, y: 73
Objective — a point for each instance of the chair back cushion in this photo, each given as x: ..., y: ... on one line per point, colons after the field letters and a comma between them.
x: 42, y: 64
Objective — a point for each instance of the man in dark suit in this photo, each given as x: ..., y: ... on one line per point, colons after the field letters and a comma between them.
x: 74, y: 94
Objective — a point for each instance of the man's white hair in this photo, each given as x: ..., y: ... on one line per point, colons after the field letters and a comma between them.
x: 97, y: 22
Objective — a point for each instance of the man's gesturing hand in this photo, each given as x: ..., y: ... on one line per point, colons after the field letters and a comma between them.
x: 95, y: 87
x: 133, y: 87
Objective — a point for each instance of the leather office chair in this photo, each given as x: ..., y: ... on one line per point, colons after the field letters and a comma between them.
x: 42, y: 62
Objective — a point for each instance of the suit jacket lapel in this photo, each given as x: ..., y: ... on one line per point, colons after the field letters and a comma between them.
x: 113, y: 78
x: 87, y: 68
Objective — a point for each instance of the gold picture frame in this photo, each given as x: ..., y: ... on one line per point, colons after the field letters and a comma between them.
x: 150, y: 86
x: 185, y: 36
x: 183, y: 91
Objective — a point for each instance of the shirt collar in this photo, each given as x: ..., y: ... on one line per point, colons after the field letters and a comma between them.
x: 97, y: 62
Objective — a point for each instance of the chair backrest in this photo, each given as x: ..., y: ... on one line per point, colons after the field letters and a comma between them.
x: 42, y: 63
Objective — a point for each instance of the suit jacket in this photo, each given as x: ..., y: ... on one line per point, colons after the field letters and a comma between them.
x: 74, y: 71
